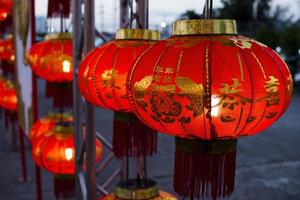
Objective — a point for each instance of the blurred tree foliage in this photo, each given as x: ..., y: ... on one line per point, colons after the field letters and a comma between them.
x: 257, y: 19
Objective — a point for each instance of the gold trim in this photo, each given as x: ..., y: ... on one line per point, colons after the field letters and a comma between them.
x: 204, y: 27
x: 137, y: 34
x: 129, y: 189
x: 62, y: 36
x: 64, y: 129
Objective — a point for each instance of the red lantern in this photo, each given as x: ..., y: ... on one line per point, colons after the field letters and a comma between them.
x: 138, y: 189
x: 5, y: 8
x: 102, y: 81
x: 54, y: 151
x: 43, y: 125
x: 8, y: 95
x: 6, y: 49
x: 52, y: 59
x: 102, y: 74
x: 210, y: 86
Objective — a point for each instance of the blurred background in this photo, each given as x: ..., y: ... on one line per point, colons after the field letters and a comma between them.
x: 268, y: 164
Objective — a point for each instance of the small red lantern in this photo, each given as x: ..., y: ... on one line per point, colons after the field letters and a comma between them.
x: 102, y: 81
x: 54, y: 151
x: 5, y: 8
x: 43, y: 125
x: 52, y: 59
x: 208, y: 86
x: 8, y: 95
x: 145, y: 189
x: 7, y: 50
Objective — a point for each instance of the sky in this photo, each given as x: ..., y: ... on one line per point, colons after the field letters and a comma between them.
x: 160, y: 11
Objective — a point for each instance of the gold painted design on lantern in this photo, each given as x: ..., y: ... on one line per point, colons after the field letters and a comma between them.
x: 290, y: 86
x: 140, y: 89
x: 108, y: 78
x: 241, y: 66
x: 260, y: 66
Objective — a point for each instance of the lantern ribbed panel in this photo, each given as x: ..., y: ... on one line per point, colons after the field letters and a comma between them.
x: 5, y: 8
x: 54, y: 151
x: 52, y: 60
x: 102, y: 74
x: 8, y: 95
x: 6, y: 50
x: 209, y: 87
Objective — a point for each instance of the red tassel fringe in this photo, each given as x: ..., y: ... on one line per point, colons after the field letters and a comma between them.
x: 64, y: 188
x: 58, y: 8
x: 204, y: 175
x: 131, y: 137
x: 62, y: 94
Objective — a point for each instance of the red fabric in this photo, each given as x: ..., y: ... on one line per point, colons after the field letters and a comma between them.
x: 58, y: 8
x: 6, y: 49
x: 209, y: 87
x: 8, y: 95
x: 55, y: 152
x: 5, y: 8
x: 47, y: 60
x: 102, y: 74
x: 46, y: 124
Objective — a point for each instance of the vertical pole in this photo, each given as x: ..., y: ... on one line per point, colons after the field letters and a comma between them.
x: 77, y: 105
x: 142, y: 22
x: 124, y: 23
x: 23, y: 156
x: 38, y: 177
x: 89, y: 35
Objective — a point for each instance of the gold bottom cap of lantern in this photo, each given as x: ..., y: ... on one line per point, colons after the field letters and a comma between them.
x: 137, y: 189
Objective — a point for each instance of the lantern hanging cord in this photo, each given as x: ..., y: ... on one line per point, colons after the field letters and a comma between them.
x: 208, y: 9
x: 131, y: 13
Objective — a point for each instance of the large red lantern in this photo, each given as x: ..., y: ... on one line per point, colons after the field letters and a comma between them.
x: 7, y: 50
x: 46, y: 124
x: 102, y: 81
x: 54, y: 151
x: 8, y: 95
x: 208, y: 86
x: 52, y: 59
x: 5, y: 8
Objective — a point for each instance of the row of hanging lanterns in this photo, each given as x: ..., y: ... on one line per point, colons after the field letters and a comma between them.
x: 8, y: 95
x: 205, y: 84
x: 5, y: 8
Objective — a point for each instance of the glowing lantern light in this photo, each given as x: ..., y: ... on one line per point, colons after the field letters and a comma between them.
x: 5, y: 8
x: 6, y: 49
x: 208, y: 86
x: 45, y: 124
x: 52, y: 59
x: 54, y: 150
x: 8, y: 95
x: 102, y: 81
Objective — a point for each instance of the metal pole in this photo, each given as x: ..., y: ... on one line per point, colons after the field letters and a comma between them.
x: 142, y: 13
x: 142, y: 22
x: 89, y: 36
x: 124, y: 23
x: 35, y: 105
x: 23, y: 155
x: 77, y: 107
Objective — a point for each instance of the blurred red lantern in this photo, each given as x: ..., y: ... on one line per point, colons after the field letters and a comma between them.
x: 6, y: 49
x: 210, y: 86
x: 103, y: 72
x: 52, y: 59
x: 45, y: 124
x: 145, y: 189
x: 8, y: 95
x: 54, y: 151
x: 5, y: 8
x: 102, y: 81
